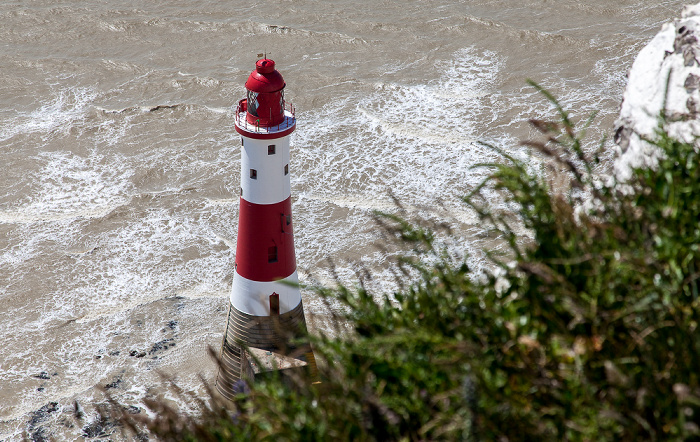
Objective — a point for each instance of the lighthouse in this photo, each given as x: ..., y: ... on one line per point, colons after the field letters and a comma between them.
x: 265, y: 309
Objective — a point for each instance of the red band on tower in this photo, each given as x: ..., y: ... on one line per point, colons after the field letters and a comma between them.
x: 265, y: 247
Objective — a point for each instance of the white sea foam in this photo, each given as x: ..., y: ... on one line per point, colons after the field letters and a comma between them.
x: 414, y: 135
x: 68, y: 106
x: 416, y: 141
x: 143, y: 261
x: 72, y: 186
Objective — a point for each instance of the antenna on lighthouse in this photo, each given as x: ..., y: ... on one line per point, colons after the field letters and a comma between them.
x: 265, y: 308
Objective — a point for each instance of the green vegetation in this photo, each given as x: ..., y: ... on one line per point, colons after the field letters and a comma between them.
x: 589, y: 331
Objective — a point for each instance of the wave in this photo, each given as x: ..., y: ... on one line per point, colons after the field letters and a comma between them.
x: 525, y: 35
x: 72, y: 186
x: 21, y: 216
x: 142, y: 109
x: 319, y: 36
x: 68, y: 106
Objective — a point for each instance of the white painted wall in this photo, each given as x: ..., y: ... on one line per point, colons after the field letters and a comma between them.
x: 253, y: 297
x: 271, y: 185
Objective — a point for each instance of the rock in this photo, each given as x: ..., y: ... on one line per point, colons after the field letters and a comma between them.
x: 78, y: 410
x: 39, y: 435
x: 691, y: 83
x: 43, y: 375
x: 162, y: 345
x: 114, y: 384
x: 132, y: 409
x: 42, y: 414
x: 665, y: 77
x: 99, y: 428
x: 689, y: 56
x: 37, y: 432
x: 103, y: 426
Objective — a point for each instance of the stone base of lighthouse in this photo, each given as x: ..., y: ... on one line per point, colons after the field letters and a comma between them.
x: 266, y: 332
x: 279, y: 334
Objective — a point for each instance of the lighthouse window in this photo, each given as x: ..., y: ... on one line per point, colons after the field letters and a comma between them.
x: 253, y: 174
x: 271, y: 149
x: 286, y: 169
x: 241, y: 141
x: 272, y: 254
x: 289, y: 219
x: 253, y: 103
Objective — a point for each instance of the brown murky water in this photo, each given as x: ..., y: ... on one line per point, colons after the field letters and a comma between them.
x: 120, y: 165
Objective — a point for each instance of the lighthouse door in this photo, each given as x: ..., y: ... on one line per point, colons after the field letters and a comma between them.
x: 274, y: 304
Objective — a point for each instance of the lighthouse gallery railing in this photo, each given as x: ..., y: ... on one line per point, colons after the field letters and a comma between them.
x: 242, y: 122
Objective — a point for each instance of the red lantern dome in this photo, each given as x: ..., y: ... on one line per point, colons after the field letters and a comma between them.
x: 265, y: 78
x: 265, y: 103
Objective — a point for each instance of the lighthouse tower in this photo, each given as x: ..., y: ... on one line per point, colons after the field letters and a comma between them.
x: 265, y: 305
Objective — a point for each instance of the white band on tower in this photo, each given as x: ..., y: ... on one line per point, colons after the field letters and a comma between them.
x: 265, y: 170
x: 253, y: 297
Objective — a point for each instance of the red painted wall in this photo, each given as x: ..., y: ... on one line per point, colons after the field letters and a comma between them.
x: 261, y: 226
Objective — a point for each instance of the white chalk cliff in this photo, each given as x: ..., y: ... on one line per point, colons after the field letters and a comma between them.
x: 665, y: 75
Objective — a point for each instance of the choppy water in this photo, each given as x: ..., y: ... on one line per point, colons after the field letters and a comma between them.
x: 120, y: 165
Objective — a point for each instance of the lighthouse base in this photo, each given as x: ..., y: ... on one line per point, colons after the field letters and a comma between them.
x: 272, y: 333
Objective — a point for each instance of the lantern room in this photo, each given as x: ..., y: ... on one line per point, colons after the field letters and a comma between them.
x: 265, y: 95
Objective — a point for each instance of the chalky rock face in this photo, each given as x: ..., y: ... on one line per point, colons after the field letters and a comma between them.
x: 665, y: 76
x: 265, y: 308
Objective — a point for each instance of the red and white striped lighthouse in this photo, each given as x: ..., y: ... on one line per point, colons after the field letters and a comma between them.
x: 265, y: 306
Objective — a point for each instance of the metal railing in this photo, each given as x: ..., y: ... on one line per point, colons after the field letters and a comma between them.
x: 241, y: 121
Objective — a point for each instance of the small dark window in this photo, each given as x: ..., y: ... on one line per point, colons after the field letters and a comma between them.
x: 241, y: 141
x: 272, y: 254
x: 289, y: 219
x: 241, y: 191
x: 271, y: 149
x: 253, y: 174
x: 286, y: 169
